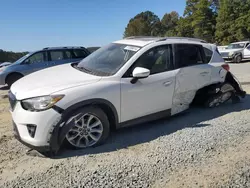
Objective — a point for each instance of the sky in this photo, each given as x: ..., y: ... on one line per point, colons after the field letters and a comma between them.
x: 29, y: 25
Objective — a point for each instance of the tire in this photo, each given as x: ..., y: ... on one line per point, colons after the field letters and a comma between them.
x: 237, y: 58
x: 79, y: 129
x: 217, y: 99
x: 13, y: 78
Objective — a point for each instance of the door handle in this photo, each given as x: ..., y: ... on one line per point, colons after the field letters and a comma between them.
x: 167, y: 83
x: 204, y: 73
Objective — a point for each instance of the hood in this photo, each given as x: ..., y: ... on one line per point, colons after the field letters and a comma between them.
x: 50, y: 80
x: 230, y: 50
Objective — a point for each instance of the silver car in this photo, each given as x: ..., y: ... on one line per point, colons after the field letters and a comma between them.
x: 41, y: 59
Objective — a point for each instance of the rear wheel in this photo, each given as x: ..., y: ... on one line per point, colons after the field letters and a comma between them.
x: 13, y: 78
x: 88, y: 127
x: 218, y: 99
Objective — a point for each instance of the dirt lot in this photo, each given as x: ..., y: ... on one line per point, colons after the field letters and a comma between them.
x: 200, y: 148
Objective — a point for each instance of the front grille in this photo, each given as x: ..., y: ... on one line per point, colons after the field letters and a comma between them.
x: 12, y: 100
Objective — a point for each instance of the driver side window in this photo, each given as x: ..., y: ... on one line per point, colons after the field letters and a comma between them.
x: 36, y: 58
x: 158, y: 59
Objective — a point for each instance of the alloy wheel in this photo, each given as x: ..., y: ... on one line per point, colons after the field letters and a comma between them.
x: 86, y: 131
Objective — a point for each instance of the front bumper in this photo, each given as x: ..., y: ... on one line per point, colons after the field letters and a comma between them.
x: 17, y: 136
x: 45, y: 122
x: 2, y: 79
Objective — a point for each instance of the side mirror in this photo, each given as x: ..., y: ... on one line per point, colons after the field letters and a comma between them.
x: 139, y: 73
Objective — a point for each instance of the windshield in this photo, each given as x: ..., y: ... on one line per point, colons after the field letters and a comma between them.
x: 22, y: 58
x: 236, y: 46
x: 108, y: 59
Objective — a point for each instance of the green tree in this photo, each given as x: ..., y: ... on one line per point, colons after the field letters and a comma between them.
x: 169, y: 23
x: 184, y: 28
x: 233, y: 21
x: 144, y: 23
x: 10, y: 56
x: 203, y: 20
x: 190, y: 7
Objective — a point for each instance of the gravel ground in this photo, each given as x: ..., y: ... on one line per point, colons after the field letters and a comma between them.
x: 199, y: 148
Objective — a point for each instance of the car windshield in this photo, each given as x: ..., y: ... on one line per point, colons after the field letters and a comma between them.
x: 236, y: 46
x: 22, y: 58
x: 108, y: 60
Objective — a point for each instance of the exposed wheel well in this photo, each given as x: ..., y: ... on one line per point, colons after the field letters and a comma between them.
x: 11, y: 74
x: 203, y: 93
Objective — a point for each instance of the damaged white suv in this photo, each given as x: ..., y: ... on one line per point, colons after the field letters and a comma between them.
x: 129, y: 81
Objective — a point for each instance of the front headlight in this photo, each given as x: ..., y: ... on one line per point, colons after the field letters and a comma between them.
x: 231, y: 53
x: 41, y: 103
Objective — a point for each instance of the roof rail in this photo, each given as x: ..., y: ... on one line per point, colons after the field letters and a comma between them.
x: 136, y: 37
x: 62, y: 47
x: 183, y: 38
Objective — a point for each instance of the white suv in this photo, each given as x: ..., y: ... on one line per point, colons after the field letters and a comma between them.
x: 129, y: 81
x: 236, y: 51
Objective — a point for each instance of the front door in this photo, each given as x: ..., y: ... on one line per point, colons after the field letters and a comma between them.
x: 154, y: 93
x: 35, y: 62
x: 246, y: 52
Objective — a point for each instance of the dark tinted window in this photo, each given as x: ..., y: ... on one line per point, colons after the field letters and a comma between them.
x: 68, y: 54
x: 157, y: 60
x: 38, y: 57
x: 187, y: 55
x: 208, y: 54
x: 56, y: 55
x: 248, y: 47
x: 78, y: 53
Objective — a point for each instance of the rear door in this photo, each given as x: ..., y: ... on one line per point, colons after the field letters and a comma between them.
x: 194, y: 73
x: 58, y: 57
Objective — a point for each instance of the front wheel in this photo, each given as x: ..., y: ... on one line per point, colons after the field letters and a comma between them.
x: 13, y: 78
x: 237, y: 59
x: 88, y: 127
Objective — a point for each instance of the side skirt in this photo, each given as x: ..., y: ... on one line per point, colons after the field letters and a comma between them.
x: 147, y: 118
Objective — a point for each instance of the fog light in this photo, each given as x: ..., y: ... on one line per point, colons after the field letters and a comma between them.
x: 31, y: 129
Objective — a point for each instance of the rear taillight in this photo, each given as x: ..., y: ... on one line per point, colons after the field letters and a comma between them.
x: 226, y: 67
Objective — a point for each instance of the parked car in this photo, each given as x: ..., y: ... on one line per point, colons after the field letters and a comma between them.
x: 127, y: 82
x: 41, y: 59
x: 236, y: 51
x: 5, y: 64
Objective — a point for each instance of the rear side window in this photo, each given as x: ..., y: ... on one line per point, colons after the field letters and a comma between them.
x: 56, y: 55
x: 187, y: 55
x: 68, y: 54
x: 208, y: 54
x: 78, y: 53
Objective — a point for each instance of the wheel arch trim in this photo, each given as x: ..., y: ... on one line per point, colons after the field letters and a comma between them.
x: 57, y: 134
x: 12, y: 73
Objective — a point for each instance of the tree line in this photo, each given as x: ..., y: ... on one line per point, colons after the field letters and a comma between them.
x: 8, y: 56
x: 216, y: 21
